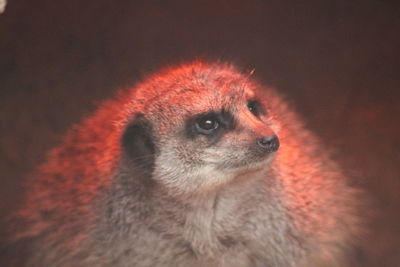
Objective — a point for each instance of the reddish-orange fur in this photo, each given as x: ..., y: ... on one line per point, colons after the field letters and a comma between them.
x: 311, y: 206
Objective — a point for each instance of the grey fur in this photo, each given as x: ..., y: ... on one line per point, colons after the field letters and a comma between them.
x: 194, y: 203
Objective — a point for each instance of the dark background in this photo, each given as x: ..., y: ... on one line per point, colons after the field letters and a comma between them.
x: 338, y: 63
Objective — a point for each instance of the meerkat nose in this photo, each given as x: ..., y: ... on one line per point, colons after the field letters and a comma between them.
x: 269, y: 143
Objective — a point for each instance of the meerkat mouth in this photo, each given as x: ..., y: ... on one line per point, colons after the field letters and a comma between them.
x: 247, y: 165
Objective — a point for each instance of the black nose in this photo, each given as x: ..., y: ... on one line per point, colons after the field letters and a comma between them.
x: 269, y: 143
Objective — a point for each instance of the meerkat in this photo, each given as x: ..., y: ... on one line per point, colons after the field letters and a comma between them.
x: 198, y: 165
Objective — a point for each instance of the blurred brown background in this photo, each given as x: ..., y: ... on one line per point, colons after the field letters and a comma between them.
x: 338, y: 62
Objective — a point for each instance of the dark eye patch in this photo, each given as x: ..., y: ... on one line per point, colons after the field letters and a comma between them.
x: 207, y: 124
x: 210, y: 124
x: 255, y: 107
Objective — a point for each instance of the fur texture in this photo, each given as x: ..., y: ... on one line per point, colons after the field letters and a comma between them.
x: 140, y: 183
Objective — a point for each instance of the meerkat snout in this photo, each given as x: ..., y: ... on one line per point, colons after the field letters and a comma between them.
x: 268, y: 143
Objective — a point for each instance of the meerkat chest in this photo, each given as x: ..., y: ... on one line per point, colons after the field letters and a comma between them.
x: 217, y: 224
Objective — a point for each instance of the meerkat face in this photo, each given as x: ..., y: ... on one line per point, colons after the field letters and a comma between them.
x: 231, y: 138
x: 203, y: 134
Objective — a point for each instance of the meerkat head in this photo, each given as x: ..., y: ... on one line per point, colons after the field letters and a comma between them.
x: 199, y: 126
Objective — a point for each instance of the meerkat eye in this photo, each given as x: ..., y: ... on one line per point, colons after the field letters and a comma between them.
x: 207, y: 124
x: 255, y: 107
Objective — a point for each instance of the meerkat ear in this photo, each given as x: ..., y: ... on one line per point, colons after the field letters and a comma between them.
x: 137, y: 143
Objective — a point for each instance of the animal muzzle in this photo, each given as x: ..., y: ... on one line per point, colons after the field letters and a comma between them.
x: 268, y: 143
